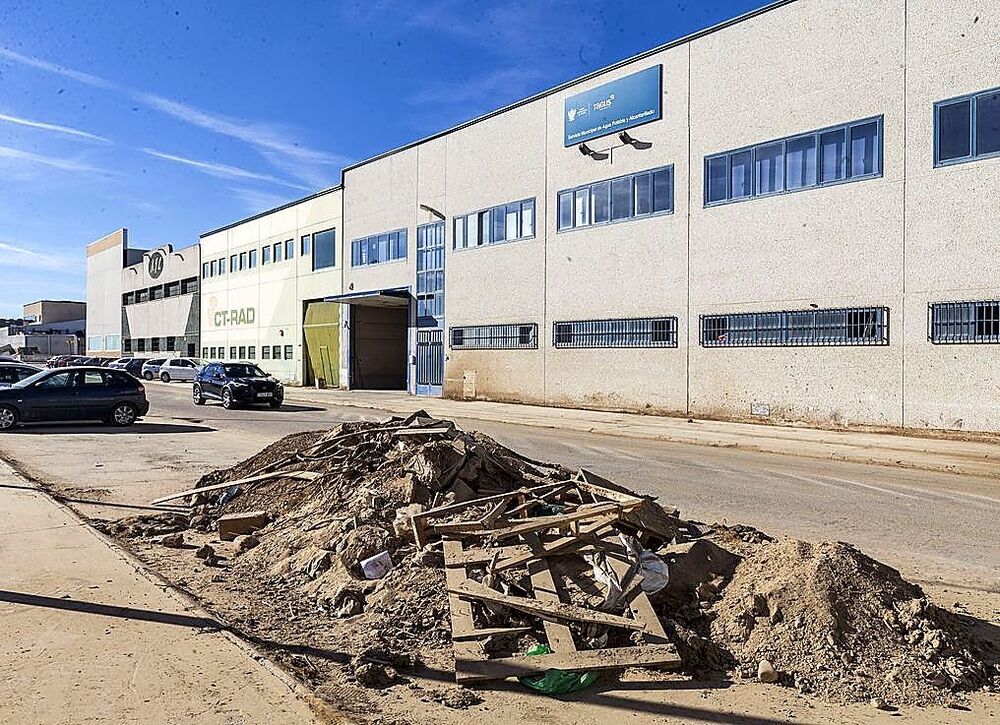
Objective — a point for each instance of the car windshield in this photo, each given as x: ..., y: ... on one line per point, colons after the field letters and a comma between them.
x: 244, y: 371
x: 30, y: 380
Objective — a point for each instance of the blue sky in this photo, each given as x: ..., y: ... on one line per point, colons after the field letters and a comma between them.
x: 174, y: 118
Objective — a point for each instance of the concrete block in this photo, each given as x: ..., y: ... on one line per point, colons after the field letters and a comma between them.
x: 245, y: 522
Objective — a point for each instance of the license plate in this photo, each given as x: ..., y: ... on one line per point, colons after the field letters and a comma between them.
x: 265, y: 395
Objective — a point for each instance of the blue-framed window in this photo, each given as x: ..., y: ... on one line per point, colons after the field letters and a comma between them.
x: 276, y: 251
x: 222, y: 266
x: 289, y: 249
x: 265, y: 254
x: 635, y: 196
x: 252, y: 259
x: 849, y: 152
x: 795, y: 328
x: 967, y: 128
x: 379, y: 248
x: 324, y: 248
x: 305, y: 243
x: 626, y: 332
x: 964, y: 322
x: 496, y: 225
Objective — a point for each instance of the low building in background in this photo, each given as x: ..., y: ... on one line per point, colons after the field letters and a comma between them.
x: 264, y: 283
x: 48, y: 312
x: 106, y: 258
x: 47, y: 328
x: 160, y: 303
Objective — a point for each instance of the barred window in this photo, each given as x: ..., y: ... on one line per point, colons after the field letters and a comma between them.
x: 964, y: 322
x: 845, y: 326
x: 629, y: 332
x: 495, y: 337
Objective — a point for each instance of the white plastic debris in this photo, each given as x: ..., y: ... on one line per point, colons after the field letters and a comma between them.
x: 376, y: 567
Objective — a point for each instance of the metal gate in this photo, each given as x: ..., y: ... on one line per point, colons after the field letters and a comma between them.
x: 430, y: 308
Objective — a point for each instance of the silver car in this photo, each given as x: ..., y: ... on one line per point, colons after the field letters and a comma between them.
x: 179, y: 368
x: 151, y: 368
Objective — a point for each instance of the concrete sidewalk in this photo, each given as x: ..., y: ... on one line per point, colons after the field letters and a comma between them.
x: 948, y: 454
x: 86, y: 636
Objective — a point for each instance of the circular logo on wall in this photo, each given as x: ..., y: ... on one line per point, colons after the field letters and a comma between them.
x: 156, y: 260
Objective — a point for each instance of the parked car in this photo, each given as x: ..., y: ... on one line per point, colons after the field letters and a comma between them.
x: 236, y: 384
x: 131, y: 365
x: 180, y: 368
x: 76, y: 393
x: 151, y: 368
x: 61, y: 361
x: 14, y: 372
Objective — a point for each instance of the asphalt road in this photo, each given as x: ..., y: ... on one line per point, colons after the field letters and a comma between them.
x: 935, y: 527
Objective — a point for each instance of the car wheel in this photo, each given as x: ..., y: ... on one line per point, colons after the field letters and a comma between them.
x: 165, y: 377
x: 196, y: 395
x: 8, y: 417
x: 147, y: 375
x: 123, y: 414
x: 227, y: 399
x: 274, y: 403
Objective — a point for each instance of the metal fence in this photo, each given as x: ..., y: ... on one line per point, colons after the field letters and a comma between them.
x: 622, y: 332
x: 494, y: 337
x: 797, y: 328
x: 963, y: 322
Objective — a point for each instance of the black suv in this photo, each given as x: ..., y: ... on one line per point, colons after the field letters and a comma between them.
x: 236, y: 384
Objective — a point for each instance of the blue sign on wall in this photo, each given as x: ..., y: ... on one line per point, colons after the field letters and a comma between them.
x: 613, y: 107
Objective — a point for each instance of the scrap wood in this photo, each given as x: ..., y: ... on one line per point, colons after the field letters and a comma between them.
x: 543, y: 586
x: 477, y: 669
x: 304, y: 475
x: 405, y: 432
x: 488, y: 632
x: 559, y: 611
x: 560, y: 546
x: 542, y: 523
x: 463, y: 627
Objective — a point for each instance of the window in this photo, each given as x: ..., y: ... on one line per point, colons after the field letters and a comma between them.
x: 142, y: 295
x: 140, y: 345
x: 204, y: 270
x: 613, y: 200
x: 828, y: 156
x: 156, y: 292
x: 172, y: 289
x: 233, y: 263
x: 127, y: 344
x: 212, y: 267
x: 375, y: 249
x: 222, y: 266
x: 213, y: 352
x: 276, y: 249
x: 189, y: 285
x: 289, y: 248
x: 232, y: 352
x: 243, y: 261
x: 243, y: 352
x: 495, y: 337
x: 967, y: 128
x: 204, y: 352
x: 251, y: 353
x: 92, y: 378
x: 845, y: 326
x: 265, y: 255
x: 59, y: 380
x: 252, y: 259
x: 632, y: 332
x: 171, y: 344
x: 128, y: 298
x: 265, y: 352
x: 305, y: 245
x: 276, y: 352
x: 324, y: 248
x: 289, y: 352
x: 154, y: 344
x: 964, y: 322
x: 112, y: 342
x: 505, y: 223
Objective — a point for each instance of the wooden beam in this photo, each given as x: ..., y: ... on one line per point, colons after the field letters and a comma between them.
x: 304, y: 475
x: 462, y: 625
x: 488, y: 632
x: 639, y: 604
x: 543, y: 587
x: 542, y: 523
x: 559, y: 546
x: 480, y: 670
x: 557, y: 611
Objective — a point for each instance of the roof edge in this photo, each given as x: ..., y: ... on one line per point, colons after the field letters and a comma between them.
x: 568, y: 84
x: 282, y: 207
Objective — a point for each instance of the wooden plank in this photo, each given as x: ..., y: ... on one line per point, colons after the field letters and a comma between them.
x: 549, y: 522
x: 543, y: 587
x: 480, y: 670
x: 558, y: 611
x: 304, y: 475
x: 639, y: 604
x: 559, y: 546
x: 454, y: 507
x: 462, y: 624
x: 480, y: 556
x: 488, y: 632
x: 421, y: 431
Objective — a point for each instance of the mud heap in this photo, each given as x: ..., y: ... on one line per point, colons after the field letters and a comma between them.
x: 422, y: 544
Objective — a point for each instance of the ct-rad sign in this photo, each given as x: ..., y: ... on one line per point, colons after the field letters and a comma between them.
x: 613, y: 107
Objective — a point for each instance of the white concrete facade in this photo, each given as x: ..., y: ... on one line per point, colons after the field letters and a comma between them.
x: 909, y: 236
x: 254, y: 311
x: 161, y: 302
x: 106, y: 258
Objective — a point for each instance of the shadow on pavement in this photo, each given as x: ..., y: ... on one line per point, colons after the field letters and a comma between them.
x: 108, y: 610
x: 140, y: 427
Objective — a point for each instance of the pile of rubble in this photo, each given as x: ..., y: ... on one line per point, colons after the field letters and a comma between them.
x: 432, y: 545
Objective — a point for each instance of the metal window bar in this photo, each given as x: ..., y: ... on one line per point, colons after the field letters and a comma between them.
x: 430, y: 361
x: 622, y: 332
x: 849, y: 326
x: 964, y: 322
x: 522, y: 336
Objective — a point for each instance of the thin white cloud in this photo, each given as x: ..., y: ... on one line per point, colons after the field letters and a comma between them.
x: 255, y: 200
x: 17, y: 155
x: 19, y: 256
x: 508, y: 83
x: 221, y: 171
x: 55, y: 128
x: 80, y: 77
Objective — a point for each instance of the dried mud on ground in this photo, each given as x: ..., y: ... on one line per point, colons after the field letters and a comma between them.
x: 841, y: 630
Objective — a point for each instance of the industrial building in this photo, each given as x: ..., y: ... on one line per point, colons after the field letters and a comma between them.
x: 47, y: 328
x: 791, y: 215
x: 264, y: 280
x: 160, y: 305
x: 106, y: 258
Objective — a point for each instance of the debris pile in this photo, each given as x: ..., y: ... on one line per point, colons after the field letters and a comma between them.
x: 422, y: 544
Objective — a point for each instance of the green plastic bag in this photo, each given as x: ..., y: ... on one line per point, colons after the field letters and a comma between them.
x: 556, y: 682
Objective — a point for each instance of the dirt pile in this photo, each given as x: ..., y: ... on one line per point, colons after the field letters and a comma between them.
x: 347, y: 556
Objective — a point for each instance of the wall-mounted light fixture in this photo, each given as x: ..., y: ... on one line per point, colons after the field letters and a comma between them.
x: 432, y: 211
x: 634, y: 142
x: 595, y: 155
